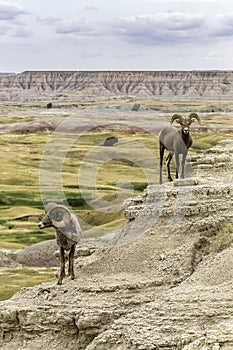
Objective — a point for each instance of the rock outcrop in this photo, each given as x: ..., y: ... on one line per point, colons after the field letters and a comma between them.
x: 160, y: 283
x: 72, y: 85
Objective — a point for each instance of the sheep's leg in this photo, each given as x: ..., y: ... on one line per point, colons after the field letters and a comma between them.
x: 183, y: 165
x: 162, y: 148
x: 71, y: 263
x: 169, y: 158
x: 177, y: 165
x: 62, y: 265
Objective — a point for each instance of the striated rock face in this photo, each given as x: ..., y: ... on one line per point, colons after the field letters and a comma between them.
x: 161, y: 286
x: 36, y: 85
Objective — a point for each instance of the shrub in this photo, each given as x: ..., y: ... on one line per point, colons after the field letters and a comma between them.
x: 136, y: 107
x: 224, y: 238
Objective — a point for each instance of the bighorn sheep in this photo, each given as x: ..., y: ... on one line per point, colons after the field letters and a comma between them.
x: 68, y: 233
x: 176, y: 142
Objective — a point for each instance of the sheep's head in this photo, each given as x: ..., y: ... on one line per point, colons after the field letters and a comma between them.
x: 185, y: 122
x: 45, y: 221
x: 60, y: 217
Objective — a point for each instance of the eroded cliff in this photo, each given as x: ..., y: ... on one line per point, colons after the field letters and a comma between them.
x: 161, y: 283
x: 72, y: 85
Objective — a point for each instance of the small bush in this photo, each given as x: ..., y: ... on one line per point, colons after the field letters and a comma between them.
x: 135, y: 107
x: 224, y: 238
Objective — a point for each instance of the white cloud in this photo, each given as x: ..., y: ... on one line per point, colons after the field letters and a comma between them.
x: 4, y: 29
x: 221, y: 25
x: 10, y: 11
x: 77, y: 27
x: 173, y: 28
x: 120, y: 34
x: 159, y: 27
x: 22, y: 33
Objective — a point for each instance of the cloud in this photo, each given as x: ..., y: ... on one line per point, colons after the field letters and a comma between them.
x: 93, y: 55
x: 173, y: 27
x: 11, y: 25
x: 22, y: 33
x: 48, y: 20
x: 90, y: 8
x: 4, y: 30
x: 10, y: 11
x: 159, y: 27
x: 77, y: 27
x: 166, y: 28
x: 221, y: 25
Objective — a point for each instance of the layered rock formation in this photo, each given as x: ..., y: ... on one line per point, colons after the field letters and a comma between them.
x: 160, y: 283
x: 63, y: 85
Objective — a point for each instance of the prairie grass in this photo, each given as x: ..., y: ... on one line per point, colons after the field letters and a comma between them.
x: 114, y: 167
x: 13, y: 279
x: 224, y: 238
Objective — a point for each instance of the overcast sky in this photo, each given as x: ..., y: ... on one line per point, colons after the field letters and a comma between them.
x: 116, y: 35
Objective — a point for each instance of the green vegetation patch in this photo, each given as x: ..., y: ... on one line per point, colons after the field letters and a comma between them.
x: 20, y: 197
x: 204, y: 141
x: 224, y: 238
x: 13, y: 279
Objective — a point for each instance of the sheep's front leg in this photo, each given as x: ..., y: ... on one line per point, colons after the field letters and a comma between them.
x: 62, y: 265
x: 183, y: 165
x: 71, y: 262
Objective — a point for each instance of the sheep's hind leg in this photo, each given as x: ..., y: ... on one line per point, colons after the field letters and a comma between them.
x: 168, y: 160
x: 62, y: 266
x: 71, y: 262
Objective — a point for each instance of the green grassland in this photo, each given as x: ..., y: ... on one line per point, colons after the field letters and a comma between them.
x: 20, y: 162
x: 20, y: 197
x: 13, y: 279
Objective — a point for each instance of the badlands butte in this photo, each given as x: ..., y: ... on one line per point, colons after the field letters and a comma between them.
x: 164, y: 280
x: 85, y: 85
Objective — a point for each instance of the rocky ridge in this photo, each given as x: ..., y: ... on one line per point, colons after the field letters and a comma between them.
x: 160, y: 283
x: 80, y: 85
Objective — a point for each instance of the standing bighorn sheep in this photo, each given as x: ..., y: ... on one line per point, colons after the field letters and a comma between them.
x: 68, y: 233
x: 176, y: 141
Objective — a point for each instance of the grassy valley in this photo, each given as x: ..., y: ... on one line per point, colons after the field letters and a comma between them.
x: 127, y: 163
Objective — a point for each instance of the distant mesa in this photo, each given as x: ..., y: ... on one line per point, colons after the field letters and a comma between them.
x: 2, y: 74
x: 83, y: 85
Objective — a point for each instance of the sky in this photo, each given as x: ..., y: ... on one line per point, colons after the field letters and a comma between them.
x: 116, y: 35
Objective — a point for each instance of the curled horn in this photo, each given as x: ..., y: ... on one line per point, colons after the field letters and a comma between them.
x: 176, y: 116
x: 195, y: 116
x: 60, y: 216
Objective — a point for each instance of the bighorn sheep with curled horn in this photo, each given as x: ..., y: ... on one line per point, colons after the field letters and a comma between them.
x: 68, y: 233
x: 176, y: 141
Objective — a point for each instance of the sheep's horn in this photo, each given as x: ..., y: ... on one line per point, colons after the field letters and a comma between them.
x: 49, y: 206
x: 195, y: 116
x: 60, y: 216
x: 176, y: 116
